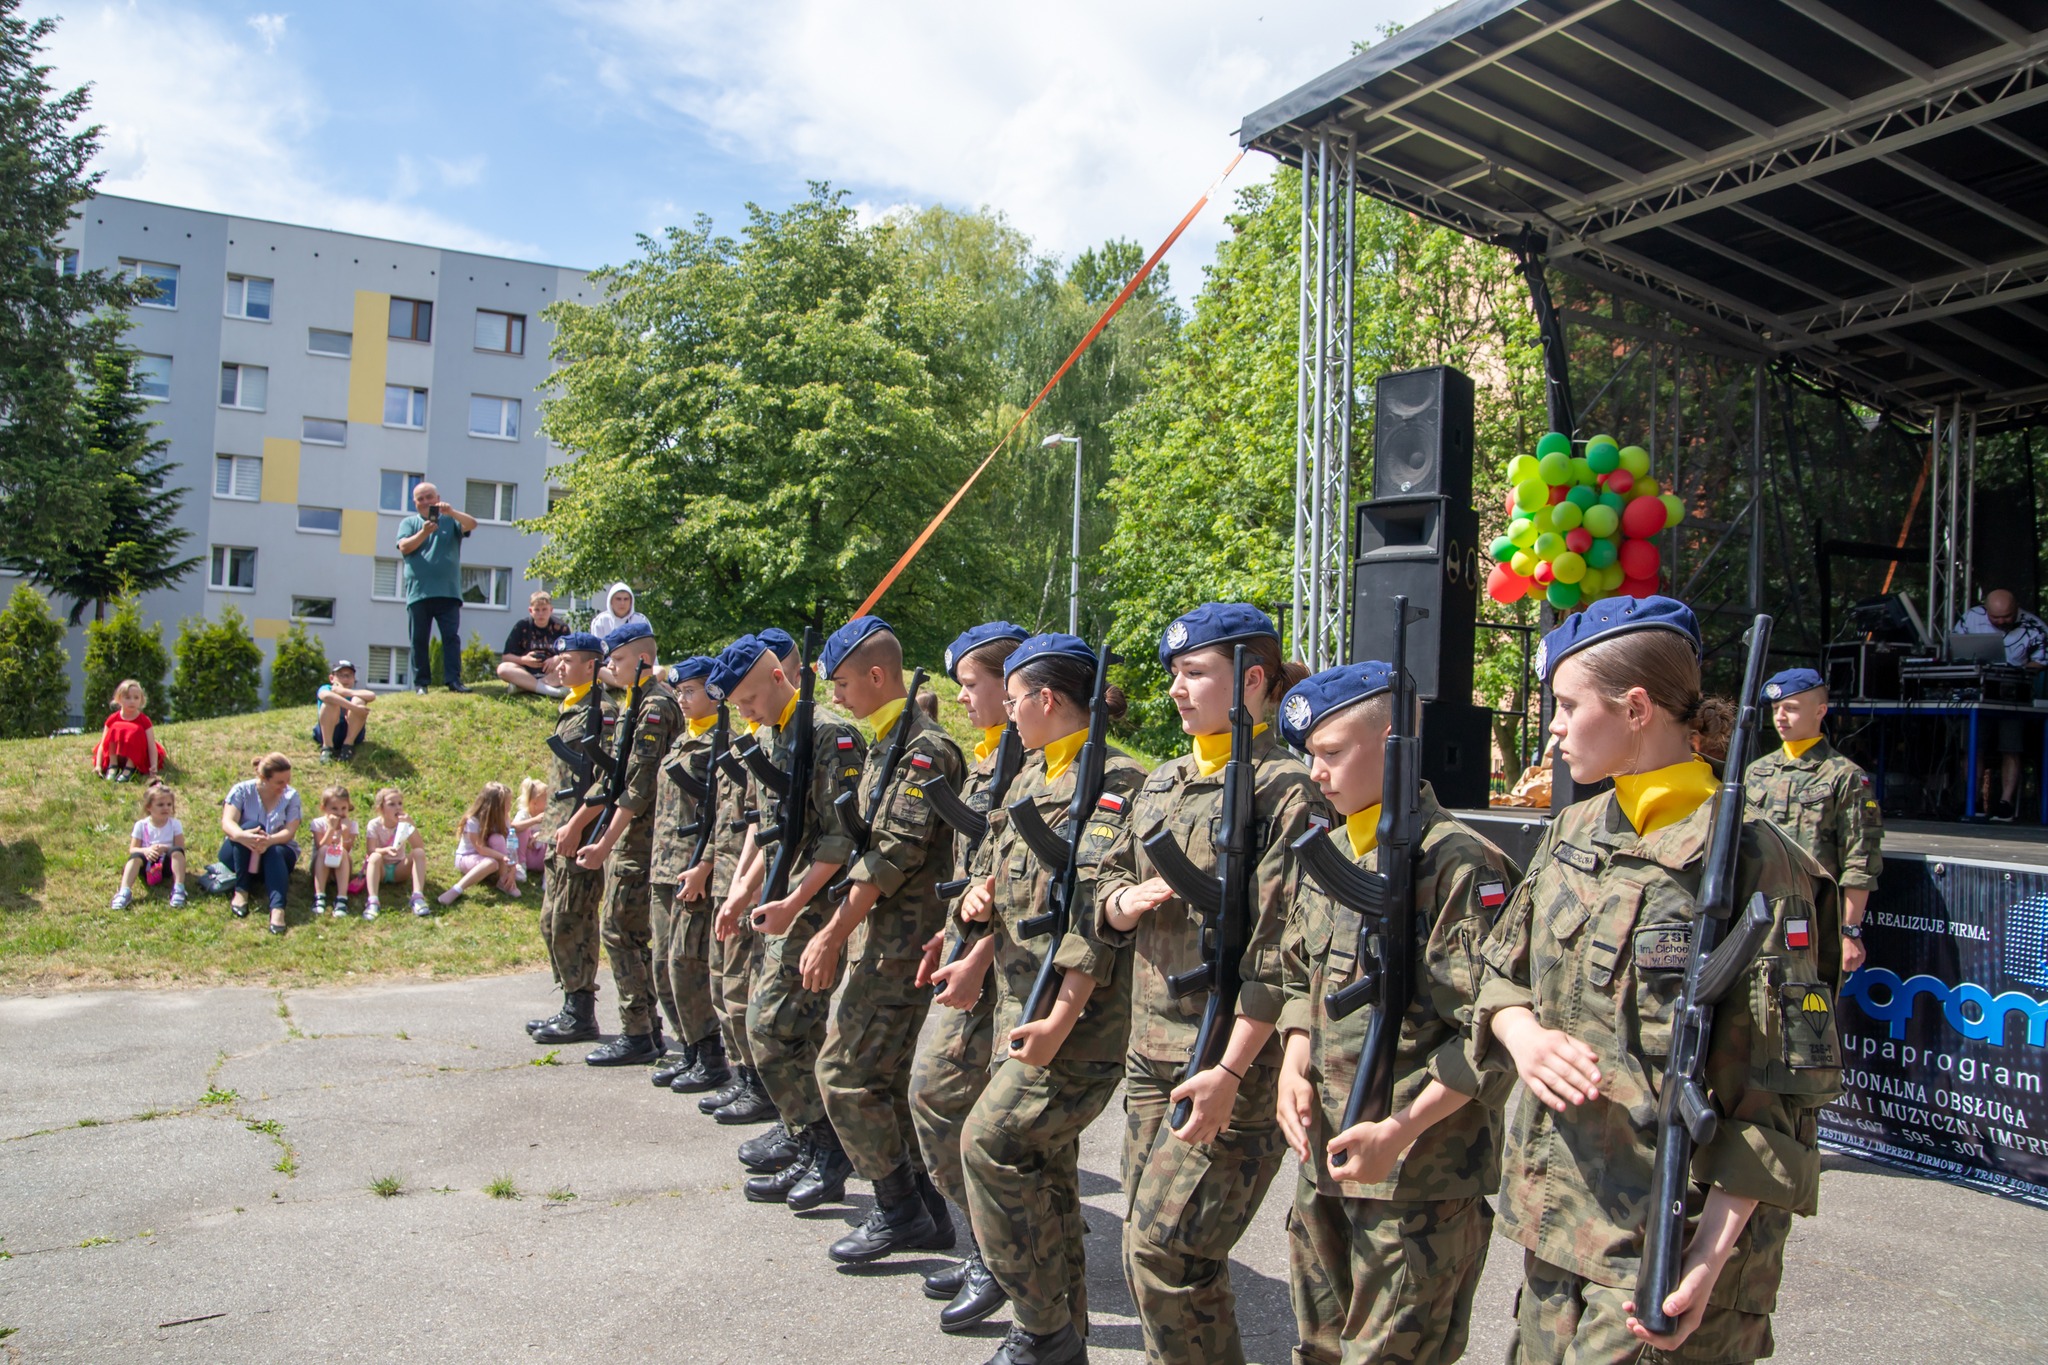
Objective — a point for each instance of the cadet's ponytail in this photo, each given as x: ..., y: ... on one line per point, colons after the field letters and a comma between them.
x: 1661, y: 662
x: 1281, y: 674
x: 1073, y: 678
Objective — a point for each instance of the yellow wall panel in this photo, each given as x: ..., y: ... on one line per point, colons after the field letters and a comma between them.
x: 367, y: 353
x: 280, y: 469
x: 268, y: 628
x: 358, y: 532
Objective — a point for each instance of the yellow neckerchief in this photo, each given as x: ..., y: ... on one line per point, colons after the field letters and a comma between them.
x: 702, y: 723
x: 990, y: 738
x: 1653, y: 800
x: 883, y: 717
x: 788, y: 711
x: 749, y: 726
x: 1796, y: 748
x: 1364, y: 828
x: 1059, y: 755
x: 1213, y: 751
x: 576, y: 694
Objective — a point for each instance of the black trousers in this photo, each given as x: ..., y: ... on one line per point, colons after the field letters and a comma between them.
x: 424, y: 615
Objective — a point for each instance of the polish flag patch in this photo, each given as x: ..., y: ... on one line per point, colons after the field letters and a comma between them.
x: 1797, y: 933
x: 846, y: 741
x: 1493, y: 895
x: 1113, y: 804
x: 920, y: 761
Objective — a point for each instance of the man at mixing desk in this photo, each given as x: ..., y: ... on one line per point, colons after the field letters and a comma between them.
x: 2026, y: 646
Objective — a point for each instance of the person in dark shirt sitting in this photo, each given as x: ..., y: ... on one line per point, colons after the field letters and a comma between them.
x: 528, y: 646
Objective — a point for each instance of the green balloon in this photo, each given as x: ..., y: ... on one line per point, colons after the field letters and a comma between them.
x: 1521, y: 468
x: 1566, y: 515
x: 1553, y: 441
x: 1522, y: 533
x: 1601, y: 553
x: 1603, y: 459
x: 1601, y: 519
x: 1635, y: 460
x: 1583, y: 497
x: 1582, y: 473
x: 1614, y: 500
x: 1555, y: 468
x: 1549, y: 545
x: 1531, y: 494
x: 1502, y: 551
x: 1563, y: 595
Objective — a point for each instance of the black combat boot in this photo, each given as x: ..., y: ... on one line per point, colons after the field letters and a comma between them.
x: 734, y: 1087
x: 627, y: 1049
x: 751, y: 1105
x: 1064, y: 1347
x: 708, y: 1072
x: 942, y: 1284
x: 979, y: 1296
x: 770, y: 1151
x: 943, y: 1236
x: 825, y: 1181
x: 774, y: 1187
x: 534, y: 1026
x: 674, y: 1065
x: 577, y: 1023
x: 900, y: 1222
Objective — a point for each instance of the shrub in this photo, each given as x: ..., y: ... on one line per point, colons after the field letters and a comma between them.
x: 297, y: 668
x: 479, y: 660
x: 219, y: 667
x: 34, y: 691
x: 120, y: 647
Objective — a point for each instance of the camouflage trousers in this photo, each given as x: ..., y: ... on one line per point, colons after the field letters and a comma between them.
x: 682, y: 961
x: 629, y: 945
x: 732, y: 964
x: 864, y: 1069
x: 1380, y: 1280
x: 1021, y: 1148
x: 1188, y: 1206
x: 951, y: 1073
x: 786, y: 1028
x: 1567, y: 1319
x: 570, y: 900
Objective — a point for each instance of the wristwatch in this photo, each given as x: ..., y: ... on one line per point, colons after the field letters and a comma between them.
x: 1852, y: 931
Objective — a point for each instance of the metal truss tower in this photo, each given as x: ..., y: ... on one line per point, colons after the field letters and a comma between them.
x: 1324, y: 401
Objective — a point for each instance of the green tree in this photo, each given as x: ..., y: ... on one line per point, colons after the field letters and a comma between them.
x: 479, y: 660
x: 219, y: 667
x: 49, y: 495
x: 33, y: 689
x: 118, y: 647
x: 297, y: 668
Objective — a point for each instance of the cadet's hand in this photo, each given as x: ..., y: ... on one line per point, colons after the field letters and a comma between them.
x: 1142, y: 899
x: 1370, y: 1151
x: 820, y: 962
x: 1852, y: 955
x: 697, y: 881
x: 962, y: 983
x: 1296, y: 1106
x: 731, y: 921
x: 1214, y: 1092
x: 925, y: 964
x: 590, y: 857
x: 1035, y: 1044
x: 775, y: 917
x: 1687, y: 1305
x: 977, y: 900
x: 1558, y: 1069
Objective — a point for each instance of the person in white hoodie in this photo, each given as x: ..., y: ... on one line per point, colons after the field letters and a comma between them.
x: 618, y: 612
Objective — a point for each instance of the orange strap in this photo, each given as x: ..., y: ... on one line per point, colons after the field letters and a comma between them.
x: 1115, y: 304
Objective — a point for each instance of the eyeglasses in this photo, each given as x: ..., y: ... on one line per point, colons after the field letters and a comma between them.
x: 1010, y: 703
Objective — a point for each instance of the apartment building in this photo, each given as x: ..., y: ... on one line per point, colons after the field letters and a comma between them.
x: 307, y: 380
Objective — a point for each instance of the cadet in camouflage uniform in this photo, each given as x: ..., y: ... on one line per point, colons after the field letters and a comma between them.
x: 953, y: 1062
x: 743, y: 1098
x: 627, y: 848
x: 890, y: 908
x: 682, y: 924
x: 1820, y: 798
x: 1193, y: 1191
x: 1383, y: 1261
x: 1021, y: 1144
x: 571, y: 895
x: 1581, y: 974
x: 786, y: 1019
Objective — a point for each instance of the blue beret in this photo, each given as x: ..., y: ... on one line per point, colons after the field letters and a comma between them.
x: 734, y: 662
x: 974, y: 637
x: 1611, y: 617
x: 1791, y: 683
x: 695, y: 667
x: 1038, y: 646
x: 579, y: 642
x: 844, y: 640
x: 1215, y: 623
x: 1319, y: 696
x: 626, y: 635
x: 778, y: 640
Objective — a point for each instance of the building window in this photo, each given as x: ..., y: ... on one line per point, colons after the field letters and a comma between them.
x: 249, y: 297
x: 164, y: 277
x: 320, y: 341
x: 489, y: 501
x: 405, y: 407
x: 497, y: 418
x: 153, y: 376
x: 318, y: 611
x: 412, y: 320
x: 385, y: 584
x: 322, y: 521
x: 234, y: 569
x: 323, y: 431
x: 485, y: 587
x: 500, y: 333
x: 390, y: 666
x: 394, y: 489
x: 238, y: 476
x: 67, y: 263
x: 244, y: 386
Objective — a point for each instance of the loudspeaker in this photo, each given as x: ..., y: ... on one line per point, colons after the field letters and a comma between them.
x: 1457, y: 753
x: 1425, y: 549
x: 1422, y: 435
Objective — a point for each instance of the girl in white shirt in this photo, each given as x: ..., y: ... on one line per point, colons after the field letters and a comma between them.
x: 334, y: 842
x: 155, y: 845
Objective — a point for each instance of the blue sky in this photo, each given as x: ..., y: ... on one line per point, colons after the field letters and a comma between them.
x: 558, y: 129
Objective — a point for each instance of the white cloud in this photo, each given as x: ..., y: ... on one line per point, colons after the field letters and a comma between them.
x: 194, y: 114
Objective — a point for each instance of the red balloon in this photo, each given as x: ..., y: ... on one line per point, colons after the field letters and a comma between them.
x: 1509, y: 507
x: 1504, y: 585
x: 1639, y: 587
x: 1643, y: 517
x: 1558, y: 492
x: 1544, y: 573
x: 1638, y: 559
x: 1578, y: 540
x: 1620, y: 481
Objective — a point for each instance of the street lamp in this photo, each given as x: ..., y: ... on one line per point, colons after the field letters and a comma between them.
x: 1074, y: 580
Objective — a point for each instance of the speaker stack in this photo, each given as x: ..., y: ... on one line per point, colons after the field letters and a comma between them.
x: 1418, y: 537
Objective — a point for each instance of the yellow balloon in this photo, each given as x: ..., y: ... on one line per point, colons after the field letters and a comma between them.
x: 1524, y: 563
x: 1531, y: 494
x: 1522, y: 532
x: 1544, y: 519
x: 1645, y: 488
x: 1566, y: 516
x: 1569, y: 567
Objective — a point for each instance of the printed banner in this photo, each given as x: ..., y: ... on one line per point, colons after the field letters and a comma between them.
x: 1945, y: 1029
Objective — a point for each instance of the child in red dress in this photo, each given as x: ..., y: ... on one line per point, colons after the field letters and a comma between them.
x: 126, y: 745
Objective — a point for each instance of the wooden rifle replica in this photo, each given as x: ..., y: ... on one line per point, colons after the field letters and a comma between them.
x: 702, y: 788
x: 791, y: 788
x: 862, y: 824
x: 621, y: 756
x: 949, y: 807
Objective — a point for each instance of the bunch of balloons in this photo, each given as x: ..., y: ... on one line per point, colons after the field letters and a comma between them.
x: 1580, y: 526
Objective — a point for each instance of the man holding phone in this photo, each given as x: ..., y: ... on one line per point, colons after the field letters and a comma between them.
x: 431, y: 541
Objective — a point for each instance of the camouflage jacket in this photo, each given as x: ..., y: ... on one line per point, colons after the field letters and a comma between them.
x: 839, y: 755
x: 655, y: 729
x: 674, y: 811
x: 909, y: 852
x: 737, y: 798
x: 572, y: 724
x: 1104, y: 1028
x: 1168, y: 939
x: 967, y: 860
x: 1461, y: 884
x: 1595, y: 941
x: 1825, y: 802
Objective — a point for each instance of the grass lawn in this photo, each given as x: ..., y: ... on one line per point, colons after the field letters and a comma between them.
x: 63, y: 832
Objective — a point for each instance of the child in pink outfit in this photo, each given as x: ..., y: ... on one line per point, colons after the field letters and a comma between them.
x: 480, y: 844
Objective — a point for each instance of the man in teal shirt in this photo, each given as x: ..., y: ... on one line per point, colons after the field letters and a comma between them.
x: 431, y: 542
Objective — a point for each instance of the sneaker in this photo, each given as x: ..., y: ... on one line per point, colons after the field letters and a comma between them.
x: 177, y: 897
x: 319, y: 906
x: 346, y: 753
x: 420, y: 906
x: 2002, y: 813
x: 341, y: 907
x: 123, y: 775
x: 370, y: 909
x: 122, y: 899
x: 420, y: 691
x: 326, y: 755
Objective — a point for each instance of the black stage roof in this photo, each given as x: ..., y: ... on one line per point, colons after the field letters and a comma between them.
x: 1858, y: 187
